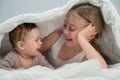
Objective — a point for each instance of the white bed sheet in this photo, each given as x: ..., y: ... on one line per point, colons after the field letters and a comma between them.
x: 88, y: 70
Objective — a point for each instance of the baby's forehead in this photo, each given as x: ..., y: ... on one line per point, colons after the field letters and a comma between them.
x: 35, y: 31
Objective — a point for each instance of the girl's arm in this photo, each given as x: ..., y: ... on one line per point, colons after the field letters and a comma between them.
x: 48, y: 41
x: 84, y: 37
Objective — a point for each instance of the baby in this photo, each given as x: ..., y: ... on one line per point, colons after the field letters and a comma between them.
x: 26, y: 42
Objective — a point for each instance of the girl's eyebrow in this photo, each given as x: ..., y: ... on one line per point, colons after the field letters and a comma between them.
x: 73, y: 25
x: 69, y: 23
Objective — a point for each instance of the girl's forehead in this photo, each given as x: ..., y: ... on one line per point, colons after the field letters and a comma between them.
x: 74, y: 18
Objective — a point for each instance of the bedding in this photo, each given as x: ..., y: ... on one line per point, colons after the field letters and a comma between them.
x: 53, y: 19
x: 74, y: 71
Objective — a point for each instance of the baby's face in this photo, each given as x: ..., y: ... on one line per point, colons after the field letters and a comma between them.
x: 32, y: 42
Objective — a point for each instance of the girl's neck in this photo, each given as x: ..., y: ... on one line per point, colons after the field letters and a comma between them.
x: 67, y: 52
x: 76, y: 49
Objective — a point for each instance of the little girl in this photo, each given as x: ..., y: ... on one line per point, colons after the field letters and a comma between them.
x: 84, y: 24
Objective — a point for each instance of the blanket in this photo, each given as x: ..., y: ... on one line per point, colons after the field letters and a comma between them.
x: 74, y: 71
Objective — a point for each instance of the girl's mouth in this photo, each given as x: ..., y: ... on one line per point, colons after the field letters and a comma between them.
x: 68, y: 39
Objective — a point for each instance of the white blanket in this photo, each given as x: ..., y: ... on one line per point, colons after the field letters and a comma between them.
x: 54, y: 19
x: 88, y: 70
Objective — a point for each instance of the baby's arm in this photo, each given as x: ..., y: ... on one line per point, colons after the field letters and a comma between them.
x: 7, y: 62
x: 84, y: 37
x: 43, y: 62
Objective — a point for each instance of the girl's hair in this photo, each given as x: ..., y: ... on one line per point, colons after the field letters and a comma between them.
x: 91, y: 14
x: 19, y: 33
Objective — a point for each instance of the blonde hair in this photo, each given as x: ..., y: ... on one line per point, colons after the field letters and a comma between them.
x: 19, y: 33
x: 91, y: 14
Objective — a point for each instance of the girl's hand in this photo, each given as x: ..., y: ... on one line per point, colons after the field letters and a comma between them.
x: 88, y: 33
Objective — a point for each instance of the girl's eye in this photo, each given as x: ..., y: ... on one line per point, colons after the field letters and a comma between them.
x: 71, y: 29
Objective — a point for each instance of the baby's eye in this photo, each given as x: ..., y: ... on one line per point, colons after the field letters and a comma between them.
x: 36, y: 40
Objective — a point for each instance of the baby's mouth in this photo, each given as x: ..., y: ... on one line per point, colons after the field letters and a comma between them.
x: 38, y: 49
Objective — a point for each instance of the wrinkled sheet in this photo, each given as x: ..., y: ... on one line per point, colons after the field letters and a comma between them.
x: 88, y: 70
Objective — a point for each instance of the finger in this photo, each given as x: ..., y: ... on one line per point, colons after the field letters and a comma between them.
x: 89, y: 25
x: 92, y: 37
x: 94, y: 29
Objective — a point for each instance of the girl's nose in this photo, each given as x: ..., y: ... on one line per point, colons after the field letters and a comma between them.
x: 65, y: 31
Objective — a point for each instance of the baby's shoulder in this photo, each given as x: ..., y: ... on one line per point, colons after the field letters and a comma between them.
x: 11, y: 56
x: 12, y: 52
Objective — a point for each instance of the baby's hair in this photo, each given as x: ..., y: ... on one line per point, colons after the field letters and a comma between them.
x: 19, y: 33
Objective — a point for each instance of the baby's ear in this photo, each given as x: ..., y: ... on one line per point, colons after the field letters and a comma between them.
x: 20, y: 45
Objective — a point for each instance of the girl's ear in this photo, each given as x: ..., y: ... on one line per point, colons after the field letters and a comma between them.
x: 20, y: 45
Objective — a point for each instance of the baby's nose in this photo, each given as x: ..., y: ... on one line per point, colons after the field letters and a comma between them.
x: 40, y: 42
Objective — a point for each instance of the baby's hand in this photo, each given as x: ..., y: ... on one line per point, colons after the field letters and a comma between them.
x: 88, y: 33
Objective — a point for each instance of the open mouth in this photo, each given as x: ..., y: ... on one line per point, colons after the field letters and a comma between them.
x: 68, y: 39
x: 38, y: 49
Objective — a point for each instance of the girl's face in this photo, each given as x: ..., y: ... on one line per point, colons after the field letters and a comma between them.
x: 73, y: 24
x: 32, y: 42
